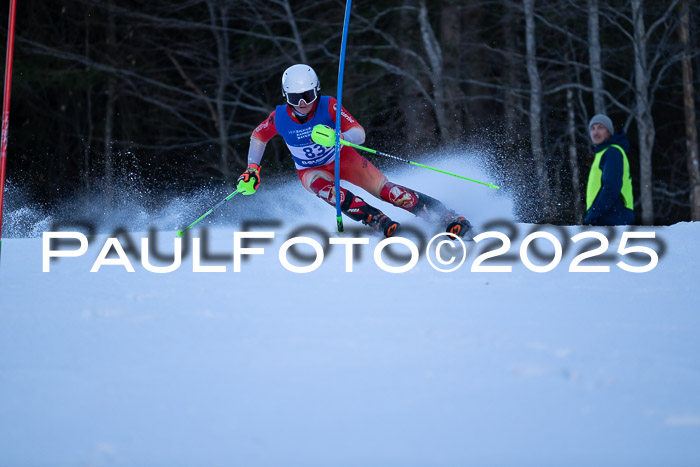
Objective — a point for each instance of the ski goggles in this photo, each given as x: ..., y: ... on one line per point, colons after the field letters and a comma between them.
x: 295, y: 98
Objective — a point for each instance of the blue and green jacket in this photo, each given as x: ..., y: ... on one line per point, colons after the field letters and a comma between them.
x: 609, y: 207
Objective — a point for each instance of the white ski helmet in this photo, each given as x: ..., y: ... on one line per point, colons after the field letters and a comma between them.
x: 300, y: 83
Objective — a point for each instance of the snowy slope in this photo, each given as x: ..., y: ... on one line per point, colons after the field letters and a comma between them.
x: 268, y: 367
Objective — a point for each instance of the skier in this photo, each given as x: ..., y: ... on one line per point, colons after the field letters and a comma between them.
x: 304, y: 109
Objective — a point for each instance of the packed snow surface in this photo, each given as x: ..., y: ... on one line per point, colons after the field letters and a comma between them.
x: 268, y: 367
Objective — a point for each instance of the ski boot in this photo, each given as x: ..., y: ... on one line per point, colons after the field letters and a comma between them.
x: 457, y: 225
x: 381, y: 223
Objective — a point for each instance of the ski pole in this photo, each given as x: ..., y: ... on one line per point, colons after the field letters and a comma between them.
x: 180, y: 233
x: 325, y: 136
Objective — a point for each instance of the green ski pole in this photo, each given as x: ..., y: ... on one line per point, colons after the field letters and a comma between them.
x: 325, y: 136
x: 180, y: 233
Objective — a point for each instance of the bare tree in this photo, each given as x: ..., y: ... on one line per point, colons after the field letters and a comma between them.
x: 535, y: 102
x: 513, y: 101
x: 594, y: 54
x: 451, y: 32
x: 434, y: 54
x: 642, y: 111
x: 298, y: 42
x: 573, y: 155
x: 413, y: 89
x: 111, y: 94
x: 691, y: 132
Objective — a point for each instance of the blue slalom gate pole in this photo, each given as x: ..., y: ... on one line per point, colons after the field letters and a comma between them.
x: 338, y: 116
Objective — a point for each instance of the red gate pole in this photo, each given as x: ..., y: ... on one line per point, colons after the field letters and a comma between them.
x: 6, y: 105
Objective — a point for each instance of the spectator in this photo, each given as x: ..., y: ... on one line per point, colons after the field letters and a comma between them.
x: 609, y: 199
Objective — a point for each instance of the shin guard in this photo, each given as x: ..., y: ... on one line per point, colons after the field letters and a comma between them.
x: 415, y: 202
x: 352, y: 206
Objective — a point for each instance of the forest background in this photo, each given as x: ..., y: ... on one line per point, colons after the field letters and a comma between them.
x: 164, y: 95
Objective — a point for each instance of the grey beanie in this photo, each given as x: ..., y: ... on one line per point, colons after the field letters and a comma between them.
x: 603, y: 120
